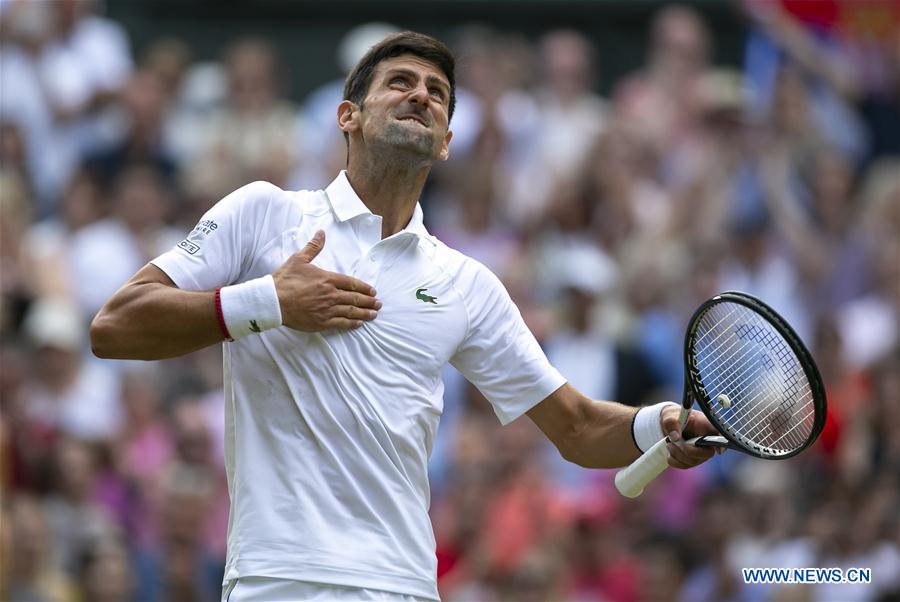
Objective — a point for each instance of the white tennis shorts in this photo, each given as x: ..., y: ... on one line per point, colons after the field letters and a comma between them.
x: 266, y: 589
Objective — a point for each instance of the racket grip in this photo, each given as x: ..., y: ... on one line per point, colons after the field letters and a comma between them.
x: 630, y: 481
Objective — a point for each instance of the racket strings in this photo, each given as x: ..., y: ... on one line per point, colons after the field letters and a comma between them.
x: 770, y: 416
x: 736, y: 379
x: 776, y: 417
x: 743, y: 379
x: 739, y: 354
x: 748, y: 380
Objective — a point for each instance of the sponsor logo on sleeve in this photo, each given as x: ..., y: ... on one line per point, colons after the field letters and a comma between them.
x: 200, y: 231
x: 204, y: 228
x: 188, y: 246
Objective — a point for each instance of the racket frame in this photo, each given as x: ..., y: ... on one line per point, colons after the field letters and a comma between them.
x: 695, y: 384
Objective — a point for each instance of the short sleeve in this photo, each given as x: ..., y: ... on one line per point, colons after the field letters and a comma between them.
x: 223, y: 243
x: 499, y: 355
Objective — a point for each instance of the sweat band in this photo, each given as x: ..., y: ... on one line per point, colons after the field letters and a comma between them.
x: 250, y: 307
x: 647, y: 426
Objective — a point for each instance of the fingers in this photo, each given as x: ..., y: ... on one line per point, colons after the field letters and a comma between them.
x: 313, y: 247
x: 358, y: 300
x: 314, y: 299
x: 698, y: 425
x: 348, y: 283
x: 351, y: 312
x: 681, y: 453
x: 342, y: 324
x: 348, y: 317
x: 671, y: 426
x: 686, y: 455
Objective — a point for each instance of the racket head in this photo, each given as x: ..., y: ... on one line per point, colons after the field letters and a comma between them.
x: 753, y: 378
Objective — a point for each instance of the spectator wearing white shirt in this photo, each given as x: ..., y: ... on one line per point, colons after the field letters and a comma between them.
x: 68, y: 394
x: 67, y: 64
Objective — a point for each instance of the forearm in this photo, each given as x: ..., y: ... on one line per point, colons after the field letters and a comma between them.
x: 802, y: 45
x: 604, y: 439
x: 149, y: 320
x: 593, y: 434
x: 598, y: 434
x: 810, y: 251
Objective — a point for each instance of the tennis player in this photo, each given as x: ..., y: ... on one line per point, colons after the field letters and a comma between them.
x: 333, y: 388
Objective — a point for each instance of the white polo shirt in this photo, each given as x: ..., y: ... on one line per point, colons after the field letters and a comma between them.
x: 328, y: 434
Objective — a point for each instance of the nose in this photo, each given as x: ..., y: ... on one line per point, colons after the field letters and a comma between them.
x: 420, y: 95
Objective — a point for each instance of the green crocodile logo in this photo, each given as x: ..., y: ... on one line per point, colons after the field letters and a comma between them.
x: 421, y: 296
x: 254, y: 326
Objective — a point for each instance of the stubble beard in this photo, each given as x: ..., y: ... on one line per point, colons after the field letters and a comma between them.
x: 404, y: 142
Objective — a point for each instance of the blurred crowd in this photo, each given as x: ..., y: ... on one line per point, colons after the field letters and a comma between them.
x: 609, y: 219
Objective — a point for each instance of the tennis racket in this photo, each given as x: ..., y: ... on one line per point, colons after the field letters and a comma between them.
x: 753, y: 379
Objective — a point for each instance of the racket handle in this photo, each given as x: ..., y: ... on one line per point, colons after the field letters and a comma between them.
x: 630, y: 481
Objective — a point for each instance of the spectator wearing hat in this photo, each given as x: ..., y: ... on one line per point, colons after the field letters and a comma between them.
x: 68, y: 394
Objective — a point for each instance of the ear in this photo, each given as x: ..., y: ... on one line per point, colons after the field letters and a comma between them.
x: 445, y: 148
x: 348, y: 116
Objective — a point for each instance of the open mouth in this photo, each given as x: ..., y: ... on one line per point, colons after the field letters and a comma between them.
x: 415, y: 118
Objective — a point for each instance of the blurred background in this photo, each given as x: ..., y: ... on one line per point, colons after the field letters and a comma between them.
x: 615, y: 163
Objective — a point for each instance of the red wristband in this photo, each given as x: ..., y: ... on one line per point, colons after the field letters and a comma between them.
x: 221, y: 316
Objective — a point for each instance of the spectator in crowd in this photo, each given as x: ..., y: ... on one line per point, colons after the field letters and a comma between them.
x: 658, y: 101
x: 475, y: 227
x: 68, y: 393
x: 146, y: 100
x: 825, y: 238
x: 883, y: 427
x: 756, y: 267
x: 253, y: 137
x: 47, y: 245
x: 140, y: 452
x: 102, y: 255
x: 870, y: 323
x: 76, y: 522
x: 582, y: 350
x: 570, y: 117
x: 28, y: 570
x: 15, y: 215
x: 494, y: 124
x: 178, y: 568
x: 106, y: 574
x: 68, y: 64
x: 824, y: 71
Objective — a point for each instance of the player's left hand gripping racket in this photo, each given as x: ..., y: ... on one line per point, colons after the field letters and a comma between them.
x: 754, y: 380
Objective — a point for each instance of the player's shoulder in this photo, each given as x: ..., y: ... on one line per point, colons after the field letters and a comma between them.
x: 462, y: 268
x: 266, y: 198
x: 251, y: 196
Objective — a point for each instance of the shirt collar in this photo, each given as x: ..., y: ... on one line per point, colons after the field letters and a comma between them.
x: 346, y: 205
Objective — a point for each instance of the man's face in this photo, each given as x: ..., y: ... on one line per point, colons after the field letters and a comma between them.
x: 407, y: 108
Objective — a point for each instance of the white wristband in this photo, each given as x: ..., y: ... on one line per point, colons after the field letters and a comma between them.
x: 647, y: 425
x: 250, y: 307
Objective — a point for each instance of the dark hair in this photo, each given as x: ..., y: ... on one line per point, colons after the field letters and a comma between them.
x: 406, y: 42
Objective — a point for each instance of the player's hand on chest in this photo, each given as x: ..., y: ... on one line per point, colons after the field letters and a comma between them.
x: 418, y: 316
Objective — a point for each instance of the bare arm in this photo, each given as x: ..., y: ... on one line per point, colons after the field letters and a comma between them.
x: 150, y: 318
x: 597, y: 434
x: 803, y: 47
x: 811, y: 250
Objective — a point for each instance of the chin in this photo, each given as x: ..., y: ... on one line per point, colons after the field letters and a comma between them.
x: 402, y: 139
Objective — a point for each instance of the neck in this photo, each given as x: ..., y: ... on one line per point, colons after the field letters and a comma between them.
x: 390, y: 190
